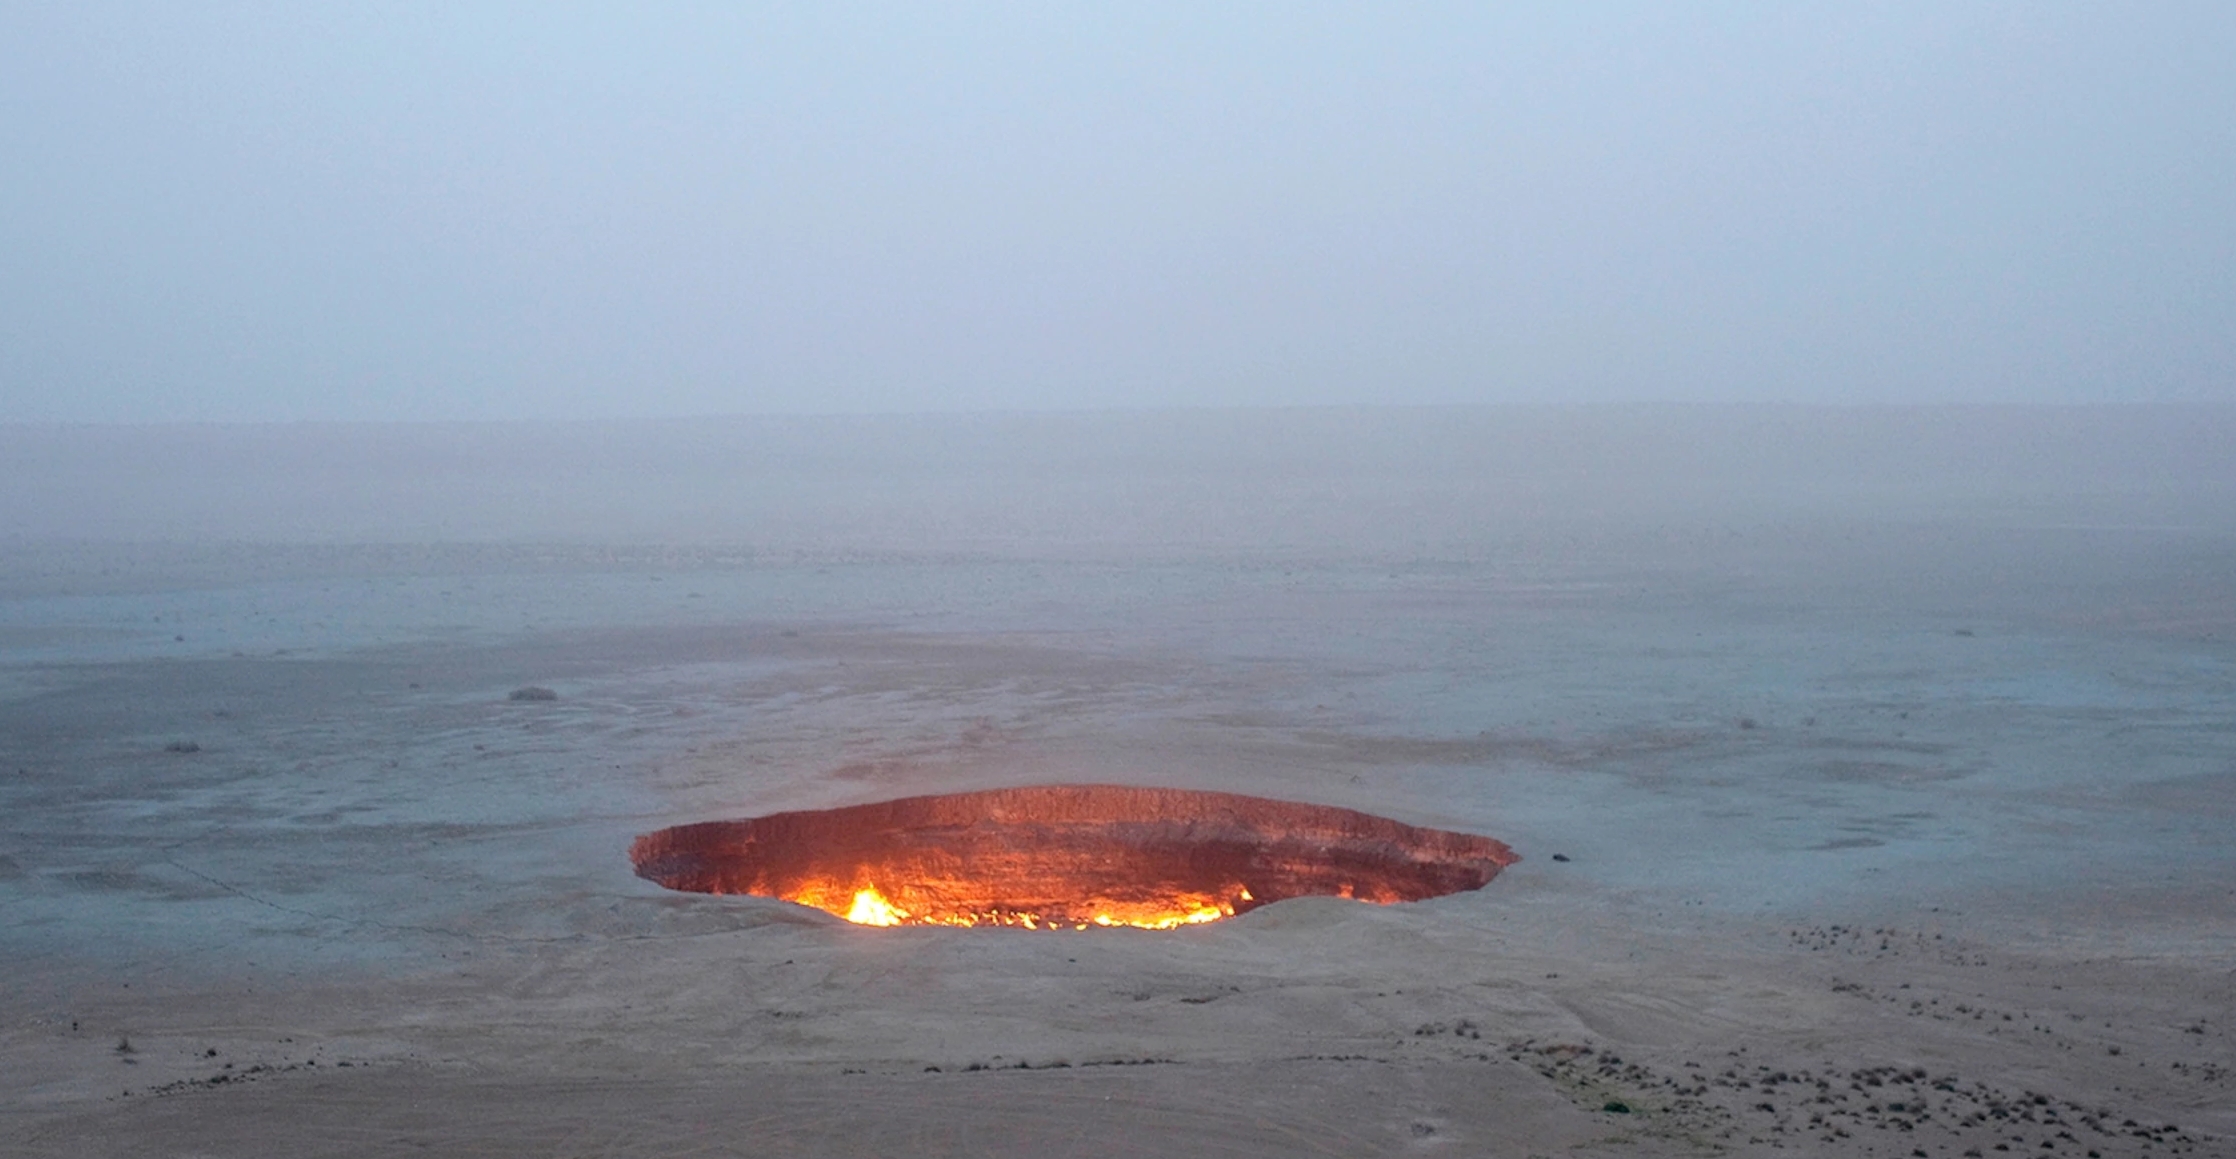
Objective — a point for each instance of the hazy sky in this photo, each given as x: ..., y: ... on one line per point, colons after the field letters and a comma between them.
x: 450, y: 210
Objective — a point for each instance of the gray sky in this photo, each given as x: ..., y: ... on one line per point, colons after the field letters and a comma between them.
x: 404, y: 211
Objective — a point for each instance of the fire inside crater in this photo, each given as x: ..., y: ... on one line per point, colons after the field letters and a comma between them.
x: 1067, y: 857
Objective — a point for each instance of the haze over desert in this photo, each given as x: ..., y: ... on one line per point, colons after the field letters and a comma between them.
x: 1870, y: 772
x: 1604, y: 580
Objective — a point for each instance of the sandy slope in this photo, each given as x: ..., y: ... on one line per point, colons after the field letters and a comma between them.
x: 1313, y: 1027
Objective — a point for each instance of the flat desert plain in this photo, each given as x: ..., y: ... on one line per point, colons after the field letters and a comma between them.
x: 1872, y: 800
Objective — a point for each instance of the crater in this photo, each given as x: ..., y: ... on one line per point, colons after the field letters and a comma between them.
x: 1067, y: 857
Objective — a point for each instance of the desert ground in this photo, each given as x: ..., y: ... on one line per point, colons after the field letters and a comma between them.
x: 1872, y: 801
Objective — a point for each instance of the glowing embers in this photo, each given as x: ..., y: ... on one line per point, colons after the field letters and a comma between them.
x: 1067, y: 857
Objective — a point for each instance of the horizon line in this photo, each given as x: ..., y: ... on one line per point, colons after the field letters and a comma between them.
x: 1602, y: 405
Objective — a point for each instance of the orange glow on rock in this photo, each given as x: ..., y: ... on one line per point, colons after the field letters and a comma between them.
x: 1069, y: 857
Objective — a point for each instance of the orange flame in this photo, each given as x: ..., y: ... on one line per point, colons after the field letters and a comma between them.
x: 868, y: 906
x: 871, y: 909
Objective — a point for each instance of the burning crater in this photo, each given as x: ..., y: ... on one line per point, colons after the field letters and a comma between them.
x: 1067, y: 856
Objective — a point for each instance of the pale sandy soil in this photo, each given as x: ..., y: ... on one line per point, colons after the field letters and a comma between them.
x: 403, y: 920
x: 1879, y: 841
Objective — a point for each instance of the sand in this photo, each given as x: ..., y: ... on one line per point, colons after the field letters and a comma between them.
x: 1874, y: 839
